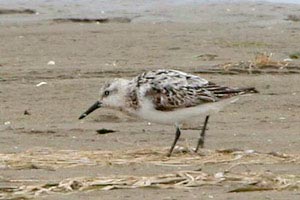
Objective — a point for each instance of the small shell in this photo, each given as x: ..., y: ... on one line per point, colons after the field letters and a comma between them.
x: 219, y: 175
x: 249, y: 151
x: 51, y: 62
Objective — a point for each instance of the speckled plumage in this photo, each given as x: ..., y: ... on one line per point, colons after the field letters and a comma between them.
x: 168, y: 97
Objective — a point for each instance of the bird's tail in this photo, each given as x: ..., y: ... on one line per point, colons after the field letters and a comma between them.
x: 246, y: 90
x: 230, y: 92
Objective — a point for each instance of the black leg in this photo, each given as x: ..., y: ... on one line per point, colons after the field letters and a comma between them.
x: 177, y: 135
x: 202, y: 135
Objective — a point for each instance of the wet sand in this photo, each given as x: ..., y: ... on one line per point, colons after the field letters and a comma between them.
x: 88, y: 54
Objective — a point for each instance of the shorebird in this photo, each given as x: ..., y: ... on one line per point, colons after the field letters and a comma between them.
x: 167, y: 97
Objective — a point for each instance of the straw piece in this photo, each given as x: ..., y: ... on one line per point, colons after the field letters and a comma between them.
x: 50, y: 159
x: 179, y: 180
x: 54, y: 159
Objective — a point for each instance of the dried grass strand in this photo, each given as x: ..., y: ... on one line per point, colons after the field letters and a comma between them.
x: 249, y: 181
x: 51, y: 159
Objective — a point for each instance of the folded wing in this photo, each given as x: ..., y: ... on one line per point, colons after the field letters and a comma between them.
x: 171, y: 89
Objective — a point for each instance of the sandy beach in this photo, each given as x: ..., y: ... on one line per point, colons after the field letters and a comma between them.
x: 40, y: 120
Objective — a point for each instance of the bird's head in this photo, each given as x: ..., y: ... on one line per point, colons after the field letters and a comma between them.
x: 112, y: 95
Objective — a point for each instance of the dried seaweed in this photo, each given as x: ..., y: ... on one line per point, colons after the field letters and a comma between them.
x: 262, y: 64
x: 104, y: 131
x: 176, y: 180
x: 295, y: 55
x: 52, y: 159
x: 294, y: 18
x: 93, y: 20
x: 16, y: 11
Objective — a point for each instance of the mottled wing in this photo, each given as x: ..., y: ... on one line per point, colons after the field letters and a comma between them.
x: 170, y: 89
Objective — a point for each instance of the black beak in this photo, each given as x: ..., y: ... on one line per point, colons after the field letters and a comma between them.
x: 91, y: 109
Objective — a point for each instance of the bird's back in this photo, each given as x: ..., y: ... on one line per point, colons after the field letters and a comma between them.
x: 172, y: 89
x: 172, y: 78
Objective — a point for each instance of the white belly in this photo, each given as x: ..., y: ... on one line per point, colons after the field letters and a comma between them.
x: 148, y: 113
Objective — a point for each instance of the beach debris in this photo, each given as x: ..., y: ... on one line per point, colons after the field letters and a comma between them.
x: 262, y: 64
x: 182, y: 157
x: 52, y: 159
x: 174, y: 48
x: 294, y: 18
x: 269, y: 140
x: 105, y: 131
x: 7, y: 126
x: 94, y: 20
x: 241, y: 182
x: 26, y: 112
x: 207, y: 57
x: 16, y: 11
x: 51, y: 62
x: 264, y: 60
x: 287, y: 60
x: 295, y: 55
x: 41, y: 83
x: 219, y: 175
x: 33, y: 131
x: 249, y: 151
x: 2, y: 79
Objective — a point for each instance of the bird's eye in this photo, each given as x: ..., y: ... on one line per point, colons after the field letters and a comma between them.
x: 106, y: 93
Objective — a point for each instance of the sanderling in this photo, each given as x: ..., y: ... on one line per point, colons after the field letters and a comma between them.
x: 168, y: 97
